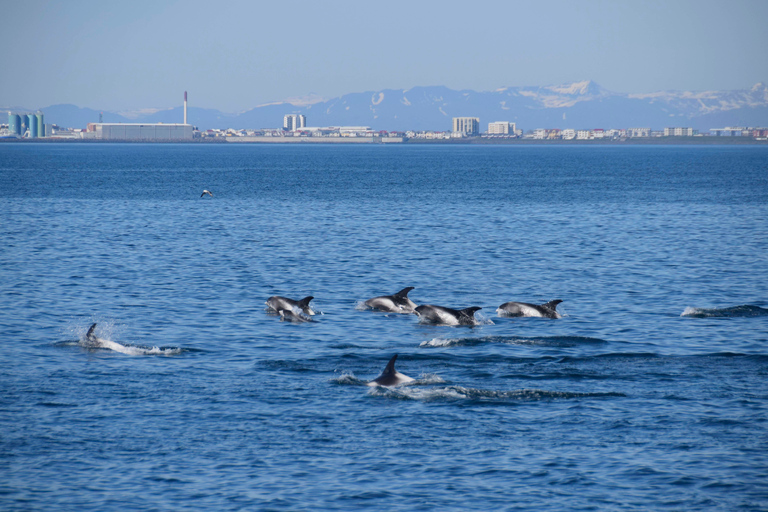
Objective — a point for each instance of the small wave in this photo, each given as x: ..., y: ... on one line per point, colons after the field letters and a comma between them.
x: 551, y: 341
x: 456, y: 393
x: 732, y: 312
x: 349, y: 379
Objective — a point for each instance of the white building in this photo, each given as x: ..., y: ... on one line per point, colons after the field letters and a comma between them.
x: 680, y: 132
x: 140, y: 131
x: 583, y: 135
x: 293, y: 122
x: 638, y: 132
x: 501, y: 128
x: 466, y: 125
x: 568, y: 134
x: 540, y: 134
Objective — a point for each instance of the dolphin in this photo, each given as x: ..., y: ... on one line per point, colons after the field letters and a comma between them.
x: 447, y: 316
x: 92, y: 341
x: 277, y: 303
x: 206, y: 192
x: 523, y: 309
x: 397, y: 303
x: 390, y: 377
x: 288, y: 315
x: 90, y: 336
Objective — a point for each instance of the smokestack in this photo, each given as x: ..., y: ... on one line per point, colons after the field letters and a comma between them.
x: 185, y: 107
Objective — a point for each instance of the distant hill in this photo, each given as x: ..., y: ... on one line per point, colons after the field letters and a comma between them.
x: 579, y: 105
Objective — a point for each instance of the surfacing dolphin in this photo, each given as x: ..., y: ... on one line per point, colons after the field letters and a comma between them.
x: 447, y: 316
x: 524, y: 309
x: 92, y: 341
x: 287, y: 315
x: 390, y: 377
x: 277, y: 303
x: 206, y: 192
x: 397, y: 303
x: 90, y: 336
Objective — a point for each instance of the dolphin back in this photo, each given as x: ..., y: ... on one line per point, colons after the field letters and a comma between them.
x: 404, y: 292
x: 390, y: 368
x: 390, y: 376
x: 552, y: 305
x: 467, y: 315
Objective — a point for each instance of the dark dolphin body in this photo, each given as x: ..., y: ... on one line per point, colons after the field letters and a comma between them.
x: 447, y: 316
x: 288, y: 315
x: 390, y: 377
x: 397, y: 303
x: 277, y: 303
x: 524, y: 309
x: 90, y: 337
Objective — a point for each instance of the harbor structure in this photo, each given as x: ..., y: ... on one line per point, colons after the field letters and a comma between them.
x: 140, y: 131
x: 146, y: 132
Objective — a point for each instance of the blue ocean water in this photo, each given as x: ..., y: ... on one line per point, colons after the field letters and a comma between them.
x: 650, y: 393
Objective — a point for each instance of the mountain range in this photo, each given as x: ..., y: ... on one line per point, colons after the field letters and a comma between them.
x: 578, y: 105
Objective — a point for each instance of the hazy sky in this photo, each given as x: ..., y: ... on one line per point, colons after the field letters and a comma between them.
x: 235, y: 55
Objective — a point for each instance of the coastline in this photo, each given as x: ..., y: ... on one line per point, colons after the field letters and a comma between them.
x: 649, y: 141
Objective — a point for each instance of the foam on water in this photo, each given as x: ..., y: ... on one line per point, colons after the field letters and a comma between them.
x: 551, y: 341
x: 483, y: 395
x: 731, y: 312
x: 106, y: 329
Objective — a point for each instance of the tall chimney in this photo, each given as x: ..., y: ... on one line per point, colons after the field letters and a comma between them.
x: 185, y: 107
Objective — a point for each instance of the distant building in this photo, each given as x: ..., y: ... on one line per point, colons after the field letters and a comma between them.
x: 568, y: 134
x: 466, y: 125
x: 140, y: 131
x: 501, y: 128
x: 638, y: 132
x: 731, y: 131
x: 293, y: 122
x: 26, y: 125
x: 680, y: 132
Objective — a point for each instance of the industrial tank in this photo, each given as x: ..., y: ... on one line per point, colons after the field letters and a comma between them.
x: 40, y: 124
x: 14, y: 123
x: 32, y: 125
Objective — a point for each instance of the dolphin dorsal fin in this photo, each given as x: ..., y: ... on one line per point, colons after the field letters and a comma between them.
x: 89, y: 334
x: 404, y: 292
x: 304, y: 303
x: 552, y: 304
x: 471, y: 311
x: 390, y: 369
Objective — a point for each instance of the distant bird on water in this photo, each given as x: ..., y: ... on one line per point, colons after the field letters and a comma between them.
x: 206, y: 192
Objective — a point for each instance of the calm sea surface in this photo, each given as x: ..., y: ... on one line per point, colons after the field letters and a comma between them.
x: 650, y: 393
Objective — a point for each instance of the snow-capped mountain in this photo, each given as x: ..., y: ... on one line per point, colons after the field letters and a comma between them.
x: 579, y: 105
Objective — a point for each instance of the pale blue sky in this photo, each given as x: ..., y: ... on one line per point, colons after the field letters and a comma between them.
x: 235, y: 55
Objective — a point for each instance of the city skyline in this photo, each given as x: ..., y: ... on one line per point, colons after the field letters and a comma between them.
x: 122, y: 57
